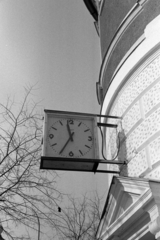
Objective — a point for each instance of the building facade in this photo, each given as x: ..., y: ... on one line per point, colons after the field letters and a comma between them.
x: 129, y: 87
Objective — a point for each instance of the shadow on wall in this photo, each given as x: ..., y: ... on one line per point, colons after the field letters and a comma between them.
x: 122, y: 155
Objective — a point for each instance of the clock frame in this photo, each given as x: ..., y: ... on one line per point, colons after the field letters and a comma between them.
x: 70, y: 135
x: 60, y: 139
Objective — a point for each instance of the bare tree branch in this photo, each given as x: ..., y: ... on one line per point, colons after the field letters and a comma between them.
x: 28, y: 196
x: 79, y: 221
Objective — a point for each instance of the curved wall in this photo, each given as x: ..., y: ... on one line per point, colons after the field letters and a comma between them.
x: 135, y: 96
x: 122, y: 23
x: 109, y: 23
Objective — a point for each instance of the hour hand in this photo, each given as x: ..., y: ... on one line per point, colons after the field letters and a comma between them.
x: 69, y: 131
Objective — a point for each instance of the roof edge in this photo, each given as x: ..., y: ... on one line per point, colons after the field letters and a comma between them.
x: 92, y: 9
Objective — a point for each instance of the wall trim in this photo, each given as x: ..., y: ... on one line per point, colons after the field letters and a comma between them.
x: 148, y: 50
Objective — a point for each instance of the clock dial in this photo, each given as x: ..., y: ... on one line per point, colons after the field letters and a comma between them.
x: 70, y: 138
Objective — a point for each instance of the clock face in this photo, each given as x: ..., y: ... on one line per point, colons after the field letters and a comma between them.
x: 71, y: 137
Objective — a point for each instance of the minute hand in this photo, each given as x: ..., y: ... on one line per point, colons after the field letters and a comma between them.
x: 69, y: 131
x: 66, y: 143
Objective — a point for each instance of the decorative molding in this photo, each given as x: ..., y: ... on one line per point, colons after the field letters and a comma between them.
x: 97, y: 27
x: 141, y: 215
x: 134, y: 95
x: 99, y: 90
x: 154, y: 227
x: 121, y: 29
x: 157, y: 236
x: 101, y: 3
x: 116, y: 238
x: 142, y: 2
x: 138, y: 60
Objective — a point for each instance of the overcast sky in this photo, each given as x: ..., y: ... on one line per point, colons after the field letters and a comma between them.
x: 54, y: 44
x: 51, y: 43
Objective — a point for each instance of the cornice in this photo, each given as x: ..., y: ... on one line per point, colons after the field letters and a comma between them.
x: 135, y: 214
x: 92, y: 9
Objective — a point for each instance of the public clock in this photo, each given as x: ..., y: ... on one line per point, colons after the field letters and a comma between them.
x: 70, y: 135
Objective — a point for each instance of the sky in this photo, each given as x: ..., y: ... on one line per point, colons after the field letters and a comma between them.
x: 53, y: 45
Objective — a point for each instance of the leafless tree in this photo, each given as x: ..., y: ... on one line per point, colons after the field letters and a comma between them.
x: 28, y: 196
x: 80, y: 220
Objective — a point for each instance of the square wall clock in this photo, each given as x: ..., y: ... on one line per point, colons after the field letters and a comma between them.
x: 70, y: 135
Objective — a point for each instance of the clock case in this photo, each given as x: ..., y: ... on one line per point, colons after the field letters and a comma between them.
x: 52, y: 160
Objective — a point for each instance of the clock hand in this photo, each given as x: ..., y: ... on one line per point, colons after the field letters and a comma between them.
x: 66, y: 143
x: 69, y: 131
